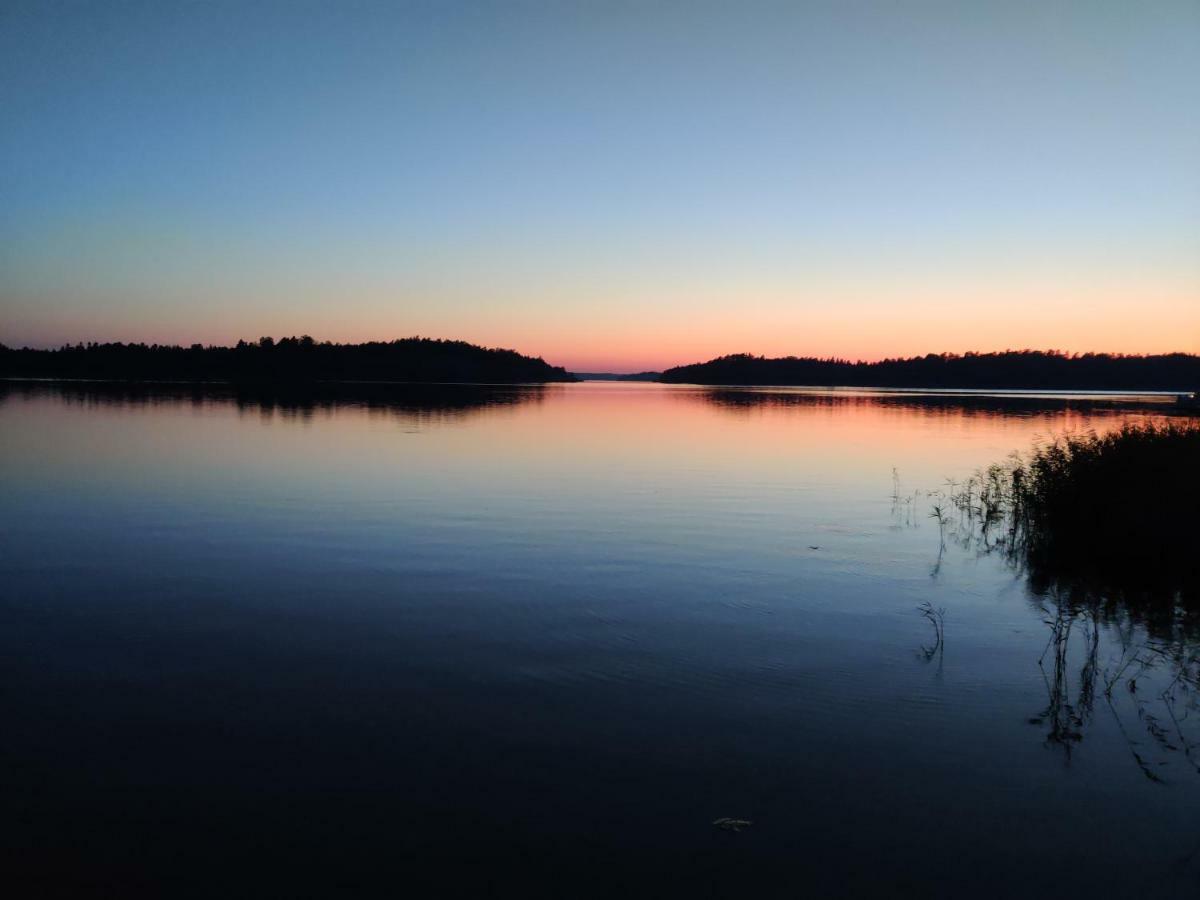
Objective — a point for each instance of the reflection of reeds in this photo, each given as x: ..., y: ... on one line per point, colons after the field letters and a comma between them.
x: 936, y: 618
x: 1151, y: 686
x: 1104, y: 526
x: 1066, y: 719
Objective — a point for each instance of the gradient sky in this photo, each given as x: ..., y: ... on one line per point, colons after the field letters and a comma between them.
x: 613, y: 186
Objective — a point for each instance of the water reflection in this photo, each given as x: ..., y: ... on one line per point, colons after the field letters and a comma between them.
x: 1123, y: 637
x: 1148, y: 680
x: 959, y: 403
x: 565, y: 630
x: 422, y: 403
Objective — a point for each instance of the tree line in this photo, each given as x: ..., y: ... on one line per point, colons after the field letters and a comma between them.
x: 288, y: 359
x: 1010, y: 369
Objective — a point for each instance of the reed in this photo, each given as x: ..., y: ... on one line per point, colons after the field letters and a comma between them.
x: 1117, y: 513
x: 1107, y: 528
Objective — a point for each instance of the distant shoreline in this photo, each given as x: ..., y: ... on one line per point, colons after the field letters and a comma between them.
x: 1024, y: 370
x: 266, y: 382
x: 288, y: 361
x: 416, y: 360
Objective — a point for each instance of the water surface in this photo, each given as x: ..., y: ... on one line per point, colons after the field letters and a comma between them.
x: 337, y: 643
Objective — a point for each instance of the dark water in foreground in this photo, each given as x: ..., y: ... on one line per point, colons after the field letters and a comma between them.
x: 539, y: 639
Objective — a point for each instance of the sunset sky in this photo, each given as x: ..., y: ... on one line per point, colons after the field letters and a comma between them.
x: 612, y: 186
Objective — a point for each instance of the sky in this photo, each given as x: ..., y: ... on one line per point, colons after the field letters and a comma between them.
x: 611, y: 186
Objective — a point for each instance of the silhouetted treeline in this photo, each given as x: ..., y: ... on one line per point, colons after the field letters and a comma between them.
x: 1012, y: 369
x: 289, y: 359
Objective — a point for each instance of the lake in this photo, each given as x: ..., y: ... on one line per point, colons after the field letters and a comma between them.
x: 356, y: 640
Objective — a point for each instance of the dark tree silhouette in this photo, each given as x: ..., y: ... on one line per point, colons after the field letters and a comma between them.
x: 1011, y: 369
x: 289, y: 360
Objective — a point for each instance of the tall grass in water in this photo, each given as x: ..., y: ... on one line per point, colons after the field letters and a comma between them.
x: 1117, y: 513
x: 1125, y: 503
x: 1107, y: 528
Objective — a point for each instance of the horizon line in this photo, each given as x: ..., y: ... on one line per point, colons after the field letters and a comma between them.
x: 625, y: 369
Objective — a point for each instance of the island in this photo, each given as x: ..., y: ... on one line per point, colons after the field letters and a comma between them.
x: 290, y: 360
x: 1007, y: 370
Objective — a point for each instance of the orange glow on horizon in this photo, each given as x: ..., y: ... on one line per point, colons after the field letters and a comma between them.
x: 658, y: 336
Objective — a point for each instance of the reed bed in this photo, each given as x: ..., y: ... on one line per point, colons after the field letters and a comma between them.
x: 1107, y: 529
x: 1117, y: 513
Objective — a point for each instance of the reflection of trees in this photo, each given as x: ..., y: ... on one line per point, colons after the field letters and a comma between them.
x: 418, y: 404
x: 933, y: 405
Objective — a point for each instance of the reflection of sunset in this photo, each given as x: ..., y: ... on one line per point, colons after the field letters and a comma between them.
x: 658, y: 332
x: 666, y: 435
x: 336, y: 556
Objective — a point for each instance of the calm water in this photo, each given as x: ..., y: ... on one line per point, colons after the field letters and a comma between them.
x: 335, y: 645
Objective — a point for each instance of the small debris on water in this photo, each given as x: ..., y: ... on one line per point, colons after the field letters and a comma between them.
x: 727, y: 824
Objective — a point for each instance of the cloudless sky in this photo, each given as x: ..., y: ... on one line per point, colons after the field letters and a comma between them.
x: 613, y: 186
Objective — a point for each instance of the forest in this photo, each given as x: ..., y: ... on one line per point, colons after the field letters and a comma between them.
x: 1010, y: 369
x: 287, y: 360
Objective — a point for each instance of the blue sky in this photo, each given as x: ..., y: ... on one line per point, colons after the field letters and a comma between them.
x: 607, y: 185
